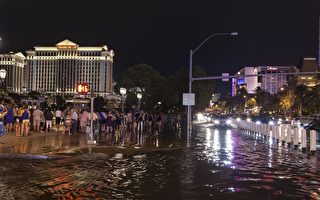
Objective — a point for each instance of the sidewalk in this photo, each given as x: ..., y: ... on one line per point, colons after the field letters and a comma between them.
x: 40, y: 143
x: 55, y: 143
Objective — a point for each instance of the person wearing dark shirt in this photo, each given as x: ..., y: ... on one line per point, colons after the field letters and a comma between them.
x: 48, y: 118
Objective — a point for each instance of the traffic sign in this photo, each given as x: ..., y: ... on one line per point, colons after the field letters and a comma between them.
x: 188, y: 99
x: 225, y: 79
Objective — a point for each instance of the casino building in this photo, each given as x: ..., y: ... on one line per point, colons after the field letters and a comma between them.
x: 272, y: 83
x: 13, y: 63
x: 58, y: 69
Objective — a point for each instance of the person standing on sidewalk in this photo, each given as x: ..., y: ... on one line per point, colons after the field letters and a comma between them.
x: 74, y: 121
x: 58, y: 115
x: 10, y: 118
x: 25, y: 121
x: 18, y: 122
x: 37, y: 115
x: 2, y: 128
x: 48, y: 118
x: 67, y: 123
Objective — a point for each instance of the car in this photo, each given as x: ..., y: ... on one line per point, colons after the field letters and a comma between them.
x: 302, y: 121
x: 221, y: 121
x: 313, y: 125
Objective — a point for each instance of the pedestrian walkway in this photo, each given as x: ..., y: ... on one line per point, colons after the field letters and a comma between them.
x: 40, y: 143
x: 53, y: 143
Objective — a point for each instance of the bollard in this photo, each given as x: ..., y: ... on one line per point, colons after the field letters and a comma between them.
x: 283, y: 133
x: 289, y: 135
x: 274, y: 131
x: 295, y: 137
x: 267, y: 130
x: 313, y: 146
x: 264, y: 130
x: 276, y: 136
x: 303, y: 139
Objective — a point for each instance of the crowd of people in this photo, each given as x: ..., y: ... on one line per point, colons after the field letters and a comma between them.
x: 22, y: 119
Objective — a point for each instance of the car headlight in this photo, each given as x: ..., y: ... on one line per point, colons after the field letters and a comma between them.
x: 216, y: 121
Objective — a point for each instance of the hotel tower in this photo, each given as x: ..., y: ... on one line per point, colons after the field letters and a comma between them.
x: 14, y: 64
x: 58, y: 69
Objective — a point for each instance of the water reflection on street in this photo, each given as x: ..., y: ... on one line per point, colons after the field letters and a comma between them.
x: 220, y: 164
x: 44, y: 143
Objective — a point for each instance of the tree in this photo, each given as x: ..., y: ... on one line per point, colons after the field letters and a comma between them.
x: 143, y: 78
x: 251, y: 103
x: 265, y: 101
x: 314, y: 99
x: 301, y: 92
x: 99, y: 103
x: 203, y: 89
x: 34, y: 94
x: 287, y: 101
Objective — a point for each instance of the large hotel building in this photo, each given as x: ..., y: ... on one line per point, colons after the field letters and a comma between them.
x: 13, y: 63
x: 58, y: 69
x: 271, y: 83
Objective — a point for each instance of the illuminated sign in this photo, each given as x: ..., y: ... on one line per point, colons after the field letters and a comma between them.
x: 82, y: 88
x: 241, y: 81
x: 272, y: 68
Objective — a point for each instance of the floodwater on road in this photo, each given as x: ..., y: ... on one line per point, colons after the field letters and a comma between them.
x: 219, y: 164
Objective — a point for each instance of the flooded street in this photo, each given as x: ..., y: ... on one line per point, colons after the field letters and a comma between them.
x: 220, y: 164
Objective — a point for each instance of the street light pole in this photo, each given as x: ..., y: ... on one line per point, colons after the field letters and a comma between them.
x: 189, y: 117
x: 139, y: 96
x: 123, y: 92
x: 91, y: 141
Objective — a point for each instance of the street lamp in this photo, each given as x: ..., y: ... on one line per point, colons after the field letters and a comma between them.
x: 139, y: 96
x: 159, y: 105
x: 189, y: 118
x: 123, y: 92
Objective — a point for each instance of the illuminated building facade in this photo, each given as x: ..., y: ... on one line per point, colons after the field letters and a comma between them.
x: 309, y: 65
x: 58, y: 69
x: 14, y: 64
x: 271, y: 83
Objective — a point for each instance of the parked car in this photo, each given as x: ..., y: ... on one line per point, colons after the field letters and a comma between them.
x: 303, y: 121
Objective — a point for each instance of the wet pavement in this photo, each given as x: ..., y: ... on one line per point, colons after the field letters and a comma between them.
x: 57, y: 143
x: 219, y: 164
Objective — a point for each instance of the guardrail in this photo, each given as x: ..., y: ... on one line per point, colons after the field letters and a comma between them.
x: 285, y: 133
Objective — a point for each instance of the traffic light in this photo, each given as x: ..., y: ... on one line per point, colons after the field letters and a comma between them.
x: 82, y: 88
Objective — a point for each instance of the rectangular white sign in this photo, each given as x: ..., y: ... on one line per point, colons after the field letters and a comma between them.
x: 225, y: 79
x: 188, y: 99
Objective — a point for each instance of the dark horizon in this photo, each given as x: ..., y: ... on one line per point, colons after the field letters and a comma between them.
x: 161, y: 34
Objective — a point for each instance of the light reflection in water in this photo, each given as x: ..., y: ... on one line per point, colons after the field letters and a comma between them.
x: 229, y: 148
x: 270, y: 141
x: 208, y: 137
x: 228, y: 167
x: 216, y: 143
x: 270, y: 155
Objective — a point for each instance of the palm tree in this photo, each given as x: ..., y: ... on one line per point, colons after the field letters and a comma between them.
x: 301, y: 92
x: 287, y: 101
x: 314, y: 100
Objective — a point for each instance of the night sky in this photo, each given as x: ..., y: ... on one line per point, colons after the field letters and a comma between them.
x: 160, y: 33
